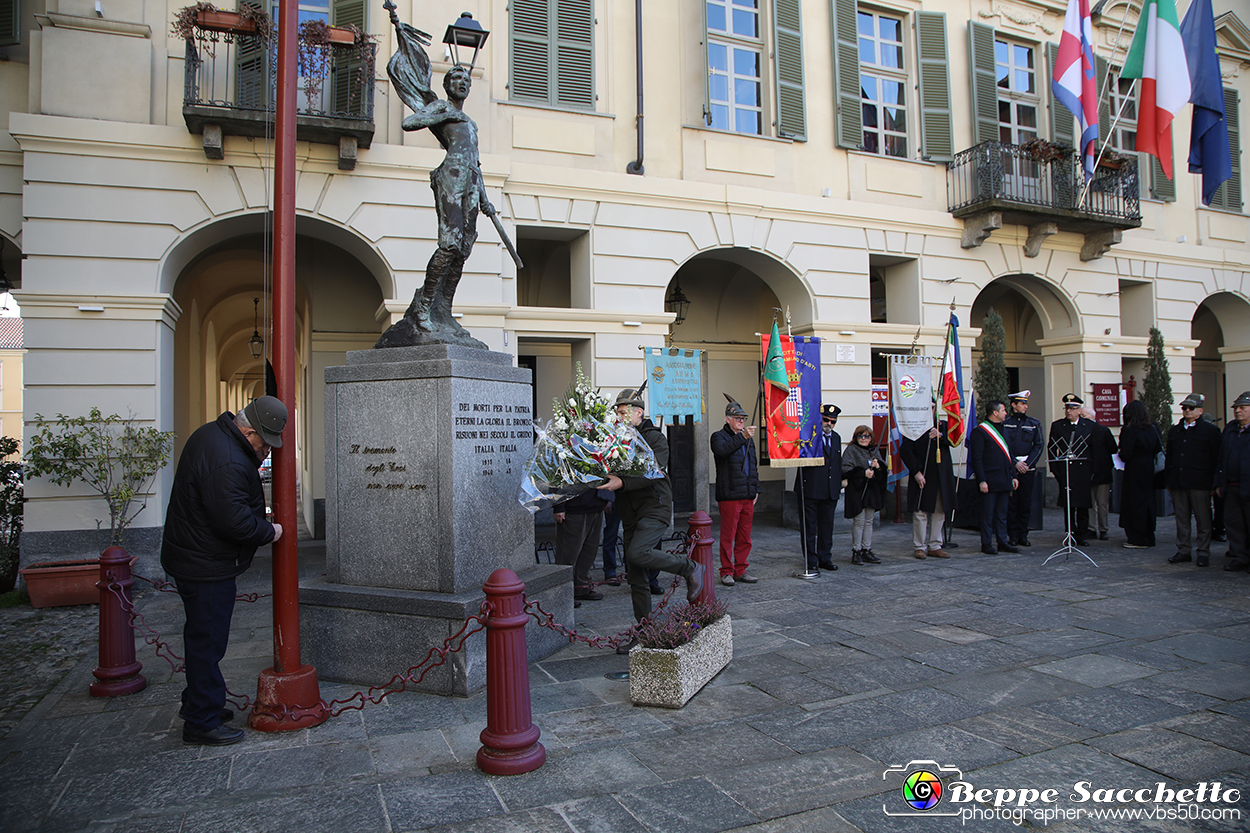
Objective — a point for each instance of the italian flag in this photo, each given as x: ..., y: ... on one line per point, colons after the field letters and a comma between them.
x: 952, y: 385
x: 1157, y: 57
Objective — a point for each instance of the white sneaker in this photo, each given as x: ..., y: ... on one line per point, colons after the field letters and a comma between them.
x: 728, y: 581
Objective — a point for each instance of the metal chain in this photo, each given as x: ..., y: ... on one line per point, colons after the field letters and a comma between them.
x: 169, y: 587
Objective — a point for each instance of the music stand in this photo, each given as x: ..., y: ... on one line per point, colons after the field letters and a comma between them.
x: 1073, y: 450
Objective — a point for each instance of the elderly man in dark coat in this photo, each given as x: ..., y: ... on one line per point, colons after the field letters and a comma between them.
x: 930, y: 489
x: 1193, y: 452
x: 1232, y: 482
x: 1069, y: 452
x: 820, y: 487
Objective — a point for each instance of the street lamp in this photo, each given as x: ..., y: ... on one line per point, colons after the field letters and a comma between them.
x: 677, y: 303
x: 465, y: 32
x: 256, y: 344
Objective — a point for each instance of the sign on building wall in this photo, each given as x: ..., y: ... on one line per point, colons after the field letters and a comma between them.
x: 1107, y: 404
x: 674, y: 382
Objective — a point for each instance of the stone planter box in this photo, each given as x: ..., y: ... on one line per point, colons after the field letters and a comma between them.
x: 669, y: 677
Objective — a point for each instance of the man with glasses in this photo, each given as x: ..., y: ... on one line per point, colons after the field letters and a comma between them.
x: 1023, y: 434
x: 1069, y: 451
x: 215, y: 522
x: 737, y: 490
x: 1232, y: 481
x: 1193, y: 453
x: 821, y: 487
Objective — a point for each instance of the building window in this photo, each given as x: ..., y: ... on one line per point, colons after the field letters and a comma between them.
x: 552, y: 52
x: 883, y: 83
x: 734, y: 57
x: 1123, y: 103
x: 1018, y: 100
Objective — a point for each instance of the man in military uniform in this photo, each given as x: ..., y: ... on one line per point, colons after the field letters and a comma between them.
x: 1069, y: 451
x: 820, y: 487
x: 1023, y: 434
x: 646, y: 508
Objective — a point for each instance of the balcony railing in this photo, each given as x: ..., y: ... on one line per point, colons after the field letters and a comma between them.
x: 230, y: 88
x: 1000, y: 176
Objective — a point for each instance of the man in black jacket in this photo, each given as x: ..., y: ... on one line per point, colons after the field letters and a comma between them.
x: 1069, y: 452
x: 1232, y: 480
x: 1023, y: 434
x: 821, y: 486
x: 995, y: 471
x: 930, y: 489
x: 737, y: 490
x: 215, y: 522
x: 1193, y: 452
x: 646, y: 509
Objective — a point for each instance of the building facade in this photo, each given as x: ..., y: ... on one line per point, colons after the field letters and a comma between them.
x: 860, y: 167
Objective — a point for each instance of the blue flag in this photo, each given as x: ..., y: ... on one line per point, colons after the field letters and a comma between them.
x: 1208, y: 137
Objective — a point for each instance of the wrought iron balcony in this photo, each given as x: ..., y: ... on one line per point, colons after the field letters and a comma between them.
x: 1040, y: 186
x: 230, y: 86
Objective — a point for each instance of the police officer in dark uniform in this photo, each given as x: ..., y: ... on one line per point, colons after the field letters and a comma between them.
x: 821, y: 486
x: 1071, y: 464
x: 1023, y: 434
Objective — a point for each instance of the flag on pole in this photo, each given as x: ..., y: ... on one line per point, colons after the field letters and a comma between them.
x: 1157, y: 57
x: 953, y: 385
x: 894, y: 461
x: 1074, y: 84
x: 776, y: 380
x: 791, y: 398
x: 1208, y: 136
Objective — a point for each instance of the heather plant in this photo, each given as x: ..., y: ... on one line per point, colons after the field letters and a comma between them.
x: 681, y: 625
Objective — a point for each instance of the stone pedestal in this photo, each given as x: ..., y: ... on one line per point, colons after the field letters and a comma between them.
x: 424, y: 450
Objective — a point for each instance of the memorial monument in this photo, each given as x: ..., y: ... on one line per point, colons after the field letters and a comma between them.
x: 426, y: 436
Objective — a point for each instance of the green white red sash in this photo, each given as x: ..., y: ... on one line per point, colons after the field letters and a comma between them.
x: 998, y: 439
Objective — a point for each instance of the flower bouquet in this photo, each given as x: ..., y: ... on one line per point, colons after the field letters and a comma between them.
x: 580, y: 447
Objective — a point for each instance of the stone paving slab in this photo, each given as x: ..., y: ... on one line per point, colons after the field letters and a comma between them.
x: 1020, y: 675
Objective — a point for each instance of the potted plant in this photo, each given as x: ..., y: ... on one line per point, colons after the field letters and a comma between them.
x: 248, y: 20
x: 114, y: 457
x: 678, y: 654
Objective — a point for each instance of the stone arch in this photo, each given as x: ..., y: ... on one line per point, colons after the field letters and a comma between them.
x: 1221, y: 362
x: 736, y: 262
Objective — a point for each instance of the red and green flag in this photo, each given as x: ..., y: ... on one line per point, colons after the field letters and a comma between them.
x: 1157, y: 57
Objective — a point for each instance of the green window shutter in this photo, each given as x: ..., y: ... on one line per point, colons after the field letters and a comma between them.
x: 1162, y: 188
x: 849, y: 131
x: 574, y: 65
x: 531, y: 48
x: 1228, y: 195
x: 1102, y: 69
x: 1062, y: 123
x: 348, y: 82
x: 937, y: 140
x: 707, y: 75
x: 788, y: 69
x: 10, y: 22
x: 253, y: 80
x: 984, y: 82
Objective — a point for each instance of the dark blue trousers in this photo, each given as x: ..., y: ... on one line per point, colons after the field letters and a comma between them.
x: 209, y: 606
x: 994, y: 518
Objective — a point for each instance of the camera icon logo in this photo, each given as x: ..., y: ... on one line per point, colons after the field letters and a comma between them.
x: 921, y: 788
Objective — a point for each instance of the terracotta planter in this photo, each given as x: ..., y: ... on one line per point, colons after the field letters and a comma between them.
x: 669, y: 677
x: 223, y: 21
x: 61, y: 583
x: 341, y: 37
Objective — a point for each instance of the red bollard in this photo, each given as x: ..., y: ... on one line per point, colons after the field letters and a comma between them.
x: 701, y: 552
x: 118, y: 672
x: 510, y: 740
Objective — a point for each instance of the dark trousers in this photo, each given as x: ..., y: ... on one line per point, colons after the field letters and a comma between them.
x: 1236, y: 520
x: 1195, y: 503
x: 642, y: 552
x: 209, y: 606
x: 994, y: 518
x: 818, y: 518
x: 611, y: 536
x: 577, y: 544
x: 1078, y: 521
x: 1020, y: 508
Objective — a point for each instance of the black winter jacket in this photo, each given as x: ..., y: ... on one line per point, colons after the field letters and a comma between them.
x: 1234, y: 472
x: 824, y: 482
x: 1193, y: 454
x: 216, y: 516
x: 733, y: 480
x: 641, y: 497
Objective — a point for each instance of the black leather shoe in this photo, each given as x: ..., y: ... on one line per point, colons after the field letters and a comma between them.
x: 587, y: 594
x: 1007, y: 548
x: 1236, y: 566
x: 1179, y: 559
x: 988, y: 550
x: 226, y: 714
x: 694, y: 584
x: 1024, y: 542
x: 657, y: 590
x: 1102, y: 536
x: 1219, y: 539
x: 624, y: 649
x: 1204, y: 562
x: 828, y: 565
x: 857, y: 557
x: 869, y: 558
x: 1081, y: 542
x: 222, y: 735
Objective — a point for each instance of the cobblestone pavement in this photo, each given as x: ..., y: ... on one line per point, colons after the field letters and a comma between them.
x: 40, y: 648
x: 1132, y: 675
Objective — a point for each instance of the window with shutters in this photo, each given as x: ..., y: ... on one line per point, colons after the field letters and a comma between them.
x: 552, y: 52
x: 883, y: 83
x: 1124, y: 114
x: 1018, y: 99
x: 739, y: 37
x: 10, y: 22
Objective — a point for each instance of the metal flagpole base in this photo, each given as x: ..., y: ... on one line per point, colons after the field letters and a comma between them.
x: 808, y: 574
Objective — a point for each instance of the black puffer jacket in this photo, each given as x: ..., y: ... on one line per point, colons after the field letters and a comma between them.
x: 642, y: 497
x: 1193, y: 454
x: 734, y: 480
x: 216, y: 516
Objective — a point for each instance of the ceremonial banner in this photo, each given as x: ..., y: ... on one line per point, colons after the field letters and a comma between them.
x: 792, y: 411
x: 675, y: 383
x: 911, y: 394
